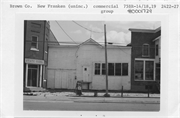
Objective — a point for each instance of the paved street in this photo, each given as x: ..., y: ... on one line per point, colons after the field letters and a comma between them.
x: 69, y: 105
x: 69, y: 101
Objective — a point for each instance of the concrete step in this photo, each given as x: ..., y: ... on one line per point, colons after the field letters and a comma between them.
x: 34, y: 89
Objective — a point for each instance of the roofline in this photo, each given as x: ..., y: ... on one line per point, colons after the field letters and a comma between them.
x: 89, y: 43
x: 62, y: 46
x: 73, y: 46
x: 54, y: 36
x: 116, y: 46
x: 145, y: 30
x: 157, y: 38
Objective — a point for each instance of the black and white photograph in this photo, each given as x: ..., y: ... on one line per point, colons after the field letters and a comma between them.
x: 95, y: 59
x: 91, y: 65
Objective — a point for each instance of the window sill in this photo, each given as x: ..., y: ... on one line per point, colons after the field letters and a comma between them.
x: 145, y: 56
x: 34, y: 49
x: 144, y: 80
x: 114, y: 75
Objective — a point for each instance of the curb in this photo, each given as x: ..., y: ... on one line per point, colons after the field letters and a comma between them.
x: 101, y: 101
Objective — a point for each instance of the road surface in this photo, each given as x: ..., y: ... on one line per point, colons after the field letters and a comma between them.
x: 82, y: 106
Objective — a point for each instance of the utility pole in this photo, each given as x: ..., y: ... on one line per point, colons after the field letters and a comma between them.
x: 106, y: 64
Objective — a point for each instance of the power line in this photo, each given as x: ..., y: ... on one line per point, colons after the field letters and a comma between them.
x: 102, y: 43
x: 65, y: 32
x: 64, y: 42
x: 72, y: 42
x: 86, y: 28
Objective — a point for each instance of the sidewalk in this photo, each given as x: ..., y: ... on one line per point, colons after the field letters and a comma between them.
x: 88, y: 98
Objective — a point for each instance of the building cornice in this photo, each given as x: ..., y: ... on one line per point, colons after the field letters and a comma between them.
x: 145, y: 30
x: 157, y: 38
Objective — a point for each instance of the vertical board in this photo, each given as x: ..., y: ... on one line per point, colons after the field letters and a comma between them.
x: 57, y: 79
x: 71, y: 80
x: 61, y: 79
x: 50, y: 79
x: 64, y: 80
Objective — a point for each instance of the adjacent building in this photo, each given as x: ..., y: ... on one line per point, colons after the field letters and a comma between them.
x: 36, y: 37
x: 68, y: 64
x: 145, y: 59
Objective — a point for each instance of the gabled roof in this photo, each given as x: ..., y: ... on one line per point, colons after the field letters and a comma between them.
x: 52, y: 39
x: 145, y: 30
x: 90, y: 42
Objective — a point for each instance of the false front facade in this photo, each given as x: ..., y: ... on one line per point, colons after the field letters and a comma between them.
x: 36, y: 36
x: 68, y: 64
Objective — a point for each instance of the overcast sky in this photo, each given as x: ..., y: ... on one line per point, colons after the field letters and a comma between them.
x: 116, y: 32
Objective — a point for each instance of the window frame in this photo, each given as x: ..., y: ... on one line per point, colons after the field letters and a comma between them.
x: 122, y: 69
x: 158, y: 68
x: 114, y: 69
x: 144, y: 67
x: 135, y: 62
x: 147, y: 70
x: 34, y: 48
x: 157, y: 50
x: 115, y: 74
x: 96, y: 68
x: 144, y: 49
x: 103, y: 69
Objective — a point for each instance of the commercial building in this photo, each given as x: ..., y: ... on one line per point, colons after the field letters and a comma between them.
x: 36, y: 36
x: 68, y: 64
x: 145, y: 59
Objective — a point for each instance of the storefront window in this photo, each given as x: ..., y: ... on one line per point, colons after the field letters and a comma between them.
x: 158, y: 71
x: 144, y: 70
x: 138, y: 70
x: 149, y: 68
x: 32, y: 75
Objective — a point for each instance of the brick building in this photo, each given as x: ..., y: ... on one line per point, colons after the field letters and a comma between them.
x: 36, y: 36
x: 145, y: 59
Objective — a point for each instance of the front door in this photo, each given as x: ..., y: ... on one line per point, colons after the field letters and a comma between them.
x: 86, y: 73
x: 33, y: 75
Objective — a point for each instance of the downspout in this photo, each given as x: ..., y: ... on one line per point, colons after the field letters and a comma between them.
x: 44, y: 38
x: 43, y: 68
x: 25, y: 26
